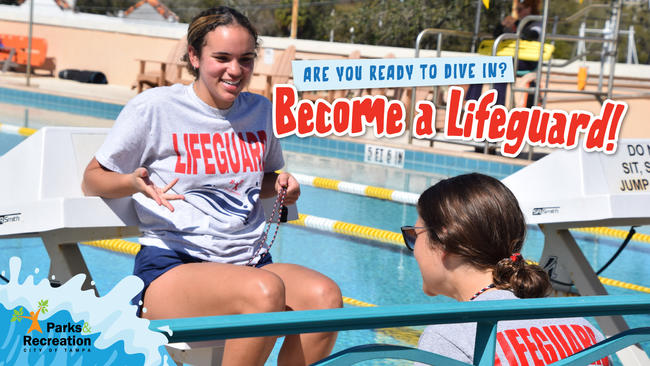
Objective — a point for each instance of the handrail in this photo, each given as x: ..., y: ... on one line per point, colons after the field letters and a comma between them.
x: 485, y: 313
x: 312, y: 321
x: 439, y: 32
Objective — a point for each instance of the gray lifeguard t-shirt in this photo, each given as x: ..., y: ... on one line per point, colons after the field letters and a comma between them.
x: 519, y: 342
x: 219, y: 156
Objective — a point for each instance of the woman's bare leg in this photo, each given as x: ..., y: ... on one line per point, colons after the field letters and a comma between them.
x: 306, y: 289
x: 205, y: 289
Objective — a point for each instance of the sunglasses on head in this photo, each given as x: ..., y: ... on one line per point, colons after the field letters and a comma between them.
x: 410, y: 235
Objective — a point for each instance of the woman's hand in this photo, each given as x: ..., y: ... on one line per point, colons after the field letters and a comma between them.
x: 141, y: 183
x: 286, y: 180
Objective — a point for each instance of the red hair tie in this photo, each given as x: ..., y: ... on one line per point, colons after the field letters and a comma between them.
x: 515, y: 257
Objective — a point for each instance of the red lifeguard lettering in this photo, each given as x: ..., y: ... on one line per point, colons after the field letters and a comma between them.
x: 262, y: 139
x: 571, y: 338
x: 546, y: 349
x: 532, y: 348
x: 226, y: 151
x: 591, y: 334
x: 453, y: 112
x: 255, y: 148
x: 588, y: 339
x: 583, y: 337
x: 207, y: 153
x: 505, y: 347
x: 520, y: 348
x: 196, y: 153
x: 247, y: 164
x: 180, y: 167
x: 555, y: 336
x: 186, y: 139
x: 234, y: 160
x: 220, y: 153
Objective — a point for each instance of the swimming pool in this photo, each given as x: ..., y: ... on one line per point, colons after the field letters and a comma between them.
x: 371, y: 272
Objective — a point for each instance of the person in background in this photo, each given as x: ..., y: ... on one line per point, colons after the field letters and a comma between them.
x: 197, y: 159
x: 467, y: 242
x: 530, y: 32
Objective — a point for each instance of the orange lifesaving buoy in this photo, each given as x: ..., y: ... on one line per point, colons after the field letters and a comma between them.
x: 582, y: 77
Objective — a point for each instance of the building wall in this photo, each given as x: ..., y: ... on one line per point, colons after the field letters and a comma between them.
x: 114, y: 54
x: 114, y: 45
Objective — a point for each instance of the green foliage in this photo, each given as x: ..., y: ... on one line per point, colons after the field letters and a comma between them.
x: 43, y: 306
x: 17, y: 315
x: 398, y: 22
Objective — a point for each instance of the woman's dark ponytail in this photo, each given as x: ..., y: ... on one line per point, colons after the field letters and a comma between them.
x: 525, y: 280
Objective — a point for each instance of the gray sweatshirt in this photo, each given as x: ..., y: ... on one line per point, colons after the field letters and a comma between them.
x: 519, y: 342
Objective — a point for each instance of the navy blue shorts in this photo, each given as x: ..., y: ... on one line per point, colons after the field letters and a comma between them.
x: 151, y: 262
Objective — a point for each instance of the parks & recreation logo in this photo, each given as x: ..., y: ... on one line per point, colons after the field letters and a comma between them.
x: 68, y: 337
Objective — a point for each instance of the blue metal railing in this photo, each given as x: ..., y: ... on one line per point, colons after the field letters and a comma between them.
x: 485, y: 313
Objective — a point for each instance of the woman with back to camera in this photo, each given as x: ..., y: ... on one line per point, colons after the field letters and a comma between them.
x: 467, y: 242
x: 197, y: 159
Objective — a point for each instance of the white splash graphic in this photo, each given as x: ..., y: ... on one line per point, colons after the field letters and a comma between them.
x: 112, y: 315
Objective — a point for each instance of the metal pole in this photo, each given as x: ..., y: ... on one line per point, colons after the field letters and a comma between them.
x: 603, y: 55
x: 29, y: 42
x: 542, y: 39
x: 540, y: 61
x: 477, y: 25
x: 548, y: 69
x: 294, y: 19
x: 616, y: 17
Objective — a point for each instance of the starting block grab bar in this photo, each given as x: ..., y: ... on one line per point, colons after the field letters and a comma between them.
x: 485, y: 313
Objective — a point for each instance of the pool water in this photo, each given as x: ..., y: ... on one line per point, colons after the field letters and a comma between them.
x: 377, y: 273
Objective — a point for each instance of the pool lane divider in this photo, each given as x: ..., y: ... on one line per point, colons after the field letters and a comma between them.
x: 412, y: 199
x: 358, y: 189
x: 377, y: 192
x: 336, y: 227
x: 16, y: 130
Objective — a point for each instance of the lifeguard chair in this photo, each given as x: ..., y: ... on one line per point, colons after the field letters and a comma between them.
x: 576, y: 189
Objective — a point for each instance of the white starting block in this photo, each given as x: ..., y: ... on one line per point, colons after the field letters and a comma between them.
x: 40, y: 196
x: 573, y: 189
